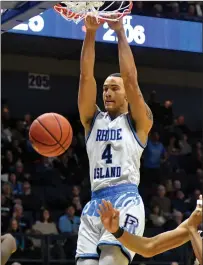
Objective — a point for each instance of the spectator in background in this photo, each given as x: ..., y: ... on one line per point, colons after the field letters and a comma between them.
x: 158, y: 10
x: 191, y: 11
x: 7, y: 191
x: 179, y: 202
x: 29, y: 200
x: 14, y: 226
x: 15, y: 185
x: 175, y: 11
x: 173, y: 152
x: 198, y: 156
x: 8, y: 162
x: 177, y: 219
x: 162, y: 201
x: 27, y: 121
x: 199, y: 146
x: 18, y: 215
x: 199, y: 10
x: 173, y: 148
x: 17, y: 201
x: 192, y: 200
x: 154, y: 155
x: 69, y: 223
x: 177, y: 185
x: 6, y: 134
x: 19, y: 131
x: 167, y: 114
x: 169, y: 188
x: 78, y: 205
x: 5, y: 117
x: 45, y: 225
x: 72, y: 158
x: 76, y: 191
x: 15, y: 230
x: 199, y: 183
x: 139, y: 7
x: 185, y: 147
x: 181, y: 127
x: 19, y: 170
x: 185, y: 153
x: 156, y: 216
x: 16, y: 149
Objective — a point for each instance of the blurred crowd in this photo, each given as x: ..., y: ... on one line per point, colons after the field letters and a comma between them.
x: 184, y: 10
x: 45, y: 196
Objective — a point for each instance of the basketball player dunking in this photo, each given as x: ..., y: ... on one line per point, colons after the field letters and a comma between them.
x: 115, y: 142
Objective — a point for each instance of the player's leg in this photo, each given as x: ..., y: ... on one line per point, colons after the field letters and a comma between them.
x: 88, y: 237
x: 112, y: 255
x: 87, y: 262
x: 132, y: 218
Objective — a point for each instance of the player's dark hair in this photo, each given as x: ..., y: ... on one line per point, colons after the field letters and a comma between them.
x: 116, y: 75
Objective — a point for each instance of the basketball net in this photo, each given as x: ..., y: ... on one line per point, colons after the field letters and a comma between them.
x: 103, y: 11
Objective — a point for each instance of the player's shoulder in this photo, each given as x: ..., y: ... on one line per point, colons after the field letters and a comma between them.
x: 100, y: 114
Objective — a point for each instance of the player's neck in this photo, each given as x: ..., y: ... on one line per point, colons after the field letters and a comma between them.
x: 114, y: 114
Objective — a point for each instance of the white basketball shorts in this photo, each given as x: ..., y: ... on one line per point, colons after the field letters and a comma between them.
x: 92, y: 235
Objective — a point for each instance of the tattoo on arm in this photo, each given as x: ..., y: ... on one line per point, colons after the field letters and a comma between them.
x: 139, y: 92
x: 149, y: 113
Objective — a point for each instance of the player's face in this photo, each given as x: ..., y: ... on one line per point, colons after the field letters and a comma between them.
x: 114, y: 96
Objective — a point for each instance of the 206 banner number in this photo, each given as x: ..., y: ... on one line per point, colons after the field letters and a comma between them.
x: 134, y: 34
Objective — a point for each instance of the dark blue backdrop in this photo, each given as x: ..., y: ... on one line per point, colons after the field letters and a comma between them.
x: 141, y: 31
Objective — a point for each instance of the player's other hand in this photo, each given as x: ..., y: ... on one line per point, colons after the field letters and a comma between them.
x: 91, y: 23
x: 109, y: 216
x: 116, y: 25
x: 196, y: 217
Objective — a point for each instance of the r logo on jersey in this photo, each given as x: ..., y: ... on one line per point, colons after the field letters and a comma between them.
x: 131, y: 223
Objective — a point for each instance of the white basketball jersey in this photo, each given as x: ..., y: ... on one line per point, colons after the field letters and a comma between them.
x: 114, y: 152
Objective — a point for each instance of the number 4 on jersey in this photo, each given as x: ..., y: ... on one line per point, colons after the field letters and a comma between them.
x: 107, y: 154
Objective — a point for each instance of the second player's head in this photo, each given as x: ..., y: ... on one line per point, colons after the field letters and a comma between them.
x: 114, y: 96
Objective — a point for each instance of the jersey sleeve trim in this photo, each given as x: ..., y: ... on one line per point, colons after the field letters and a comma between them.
x: 134, y: 132
x: 92, y: 124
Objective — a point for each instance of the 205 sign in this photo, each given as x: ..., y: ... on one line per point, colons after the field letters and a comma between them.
x: 38, y: 81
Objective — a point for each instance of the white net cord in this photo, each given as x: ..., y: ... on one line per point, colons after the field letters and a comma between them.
x: 81, y: 9
x: 77, y: 11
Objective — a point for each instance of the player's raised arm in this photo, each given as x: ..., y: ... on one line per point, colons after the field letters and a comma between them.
x: 87, y: 86
x: 144, y: 246
x: 140, y: 112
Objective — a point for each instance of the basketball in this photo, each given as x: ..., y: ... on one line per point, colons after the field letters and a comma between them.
x: 50, y: 134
